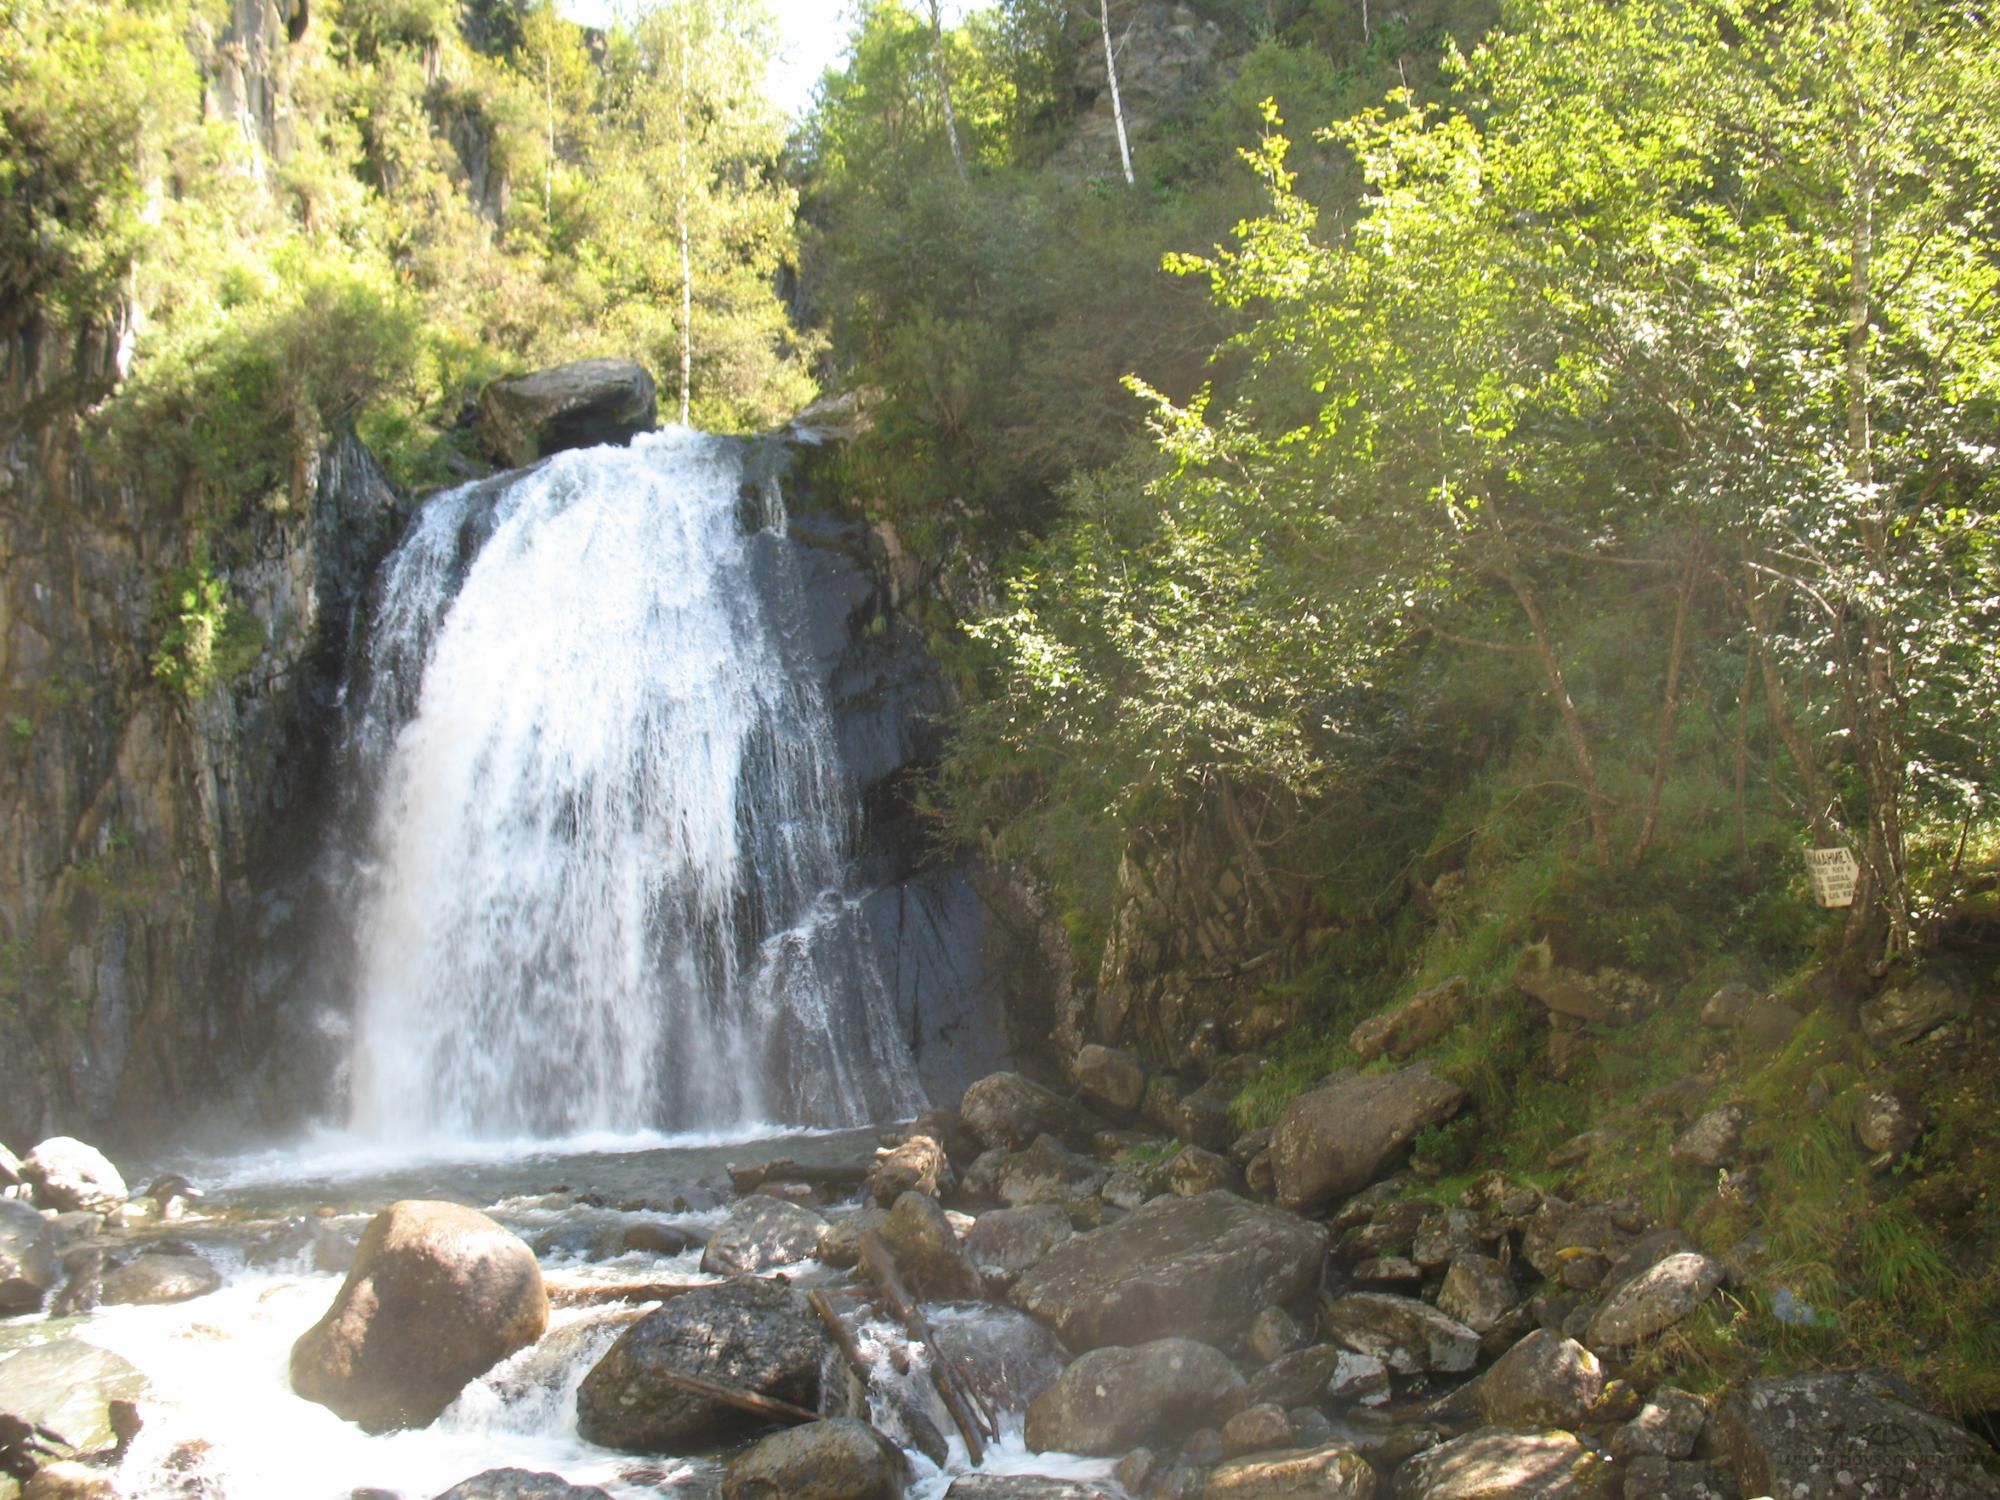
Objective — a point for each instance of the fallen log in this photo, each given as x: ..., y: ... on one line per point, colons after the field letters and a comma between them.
x: 768, y: 1407
x: 597, y: 1294
x: 951, y: 1387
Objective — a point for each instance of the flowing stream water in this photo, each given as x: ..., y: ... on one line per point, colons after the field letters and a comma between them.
x: 602, y: 901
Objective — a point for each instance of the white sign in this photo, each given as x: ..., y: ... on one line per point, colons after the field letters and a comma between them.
x: 1834, y: 875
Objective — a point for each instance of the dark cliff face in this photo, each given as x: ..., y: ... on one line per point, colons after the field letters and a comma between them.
x: 147, y: 833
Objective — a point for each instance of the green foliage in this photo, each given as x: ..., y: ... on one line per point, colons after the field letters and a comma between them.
x: 201, y: 637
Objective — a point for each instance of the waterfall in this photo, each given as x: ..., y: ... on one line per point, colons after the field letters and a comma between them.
x: 606, y: 882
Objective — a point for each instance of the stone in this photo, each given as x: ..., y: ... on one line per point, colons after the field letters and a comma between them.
x: 1652, y: 1478
x: 1411, y: 1026
x: 29, y: 1270
x: 1848, y: 1436
x: 1714, y: 1139
x: 68, y: 1387
x: 68, y: 1175
x: 1495, y: 1464
x: 1113, y: 1399
x: 1726, y: 1008
x: 1255, y: 1024
x: 1295, y: 1379
x: 1194, y: 1171
x: 1330, y: 1472
x: 1935, y: 998
x: 1392, y: 1230
x: 1584, y: 1147
x: 926, y: 1251
x: 650, y: 1238
x: 1668, y: 1426
x: 919, y: 1164
x: 1545, y: 1380
x: 1888, y: 1125
x: 1654, y: 1300
x: 759, y: 1234
x: 1478, y: 1291
x: 1559, y: 1230
x: 1770, y: 1023
x: 757, y: 1336
x: 1201, y: 1267
x: 1407, y: 1335
x: 64, y: 1480
x: 1136, y: 1469
x: 1445, y: 1234
x: 10, y: 1168
x: 1358, y: 1380
x: 1007, y: 1241
x: 1256, y: 1429
x: 576, y: 405
x: 146, y: 1280
x: 1025, y: 1487
x: 840, y: 1242
x: 838, y: 1459
x: 1607, y: 995
x: 1111, y: 1081
x: 439, y: 1294
x: 1009, y: 1357
x: 1047, y: 1172
x: 1336, y: 1140
x: 1198, y: 1118
x: 1274, y: 1333
x: 521, y: 1484
x: 1005, y: 1109
x: 1388, y: 1270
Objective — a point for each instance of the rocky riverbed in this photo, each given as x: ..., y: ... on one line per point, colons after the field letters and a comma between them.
x: 1034, y: 1296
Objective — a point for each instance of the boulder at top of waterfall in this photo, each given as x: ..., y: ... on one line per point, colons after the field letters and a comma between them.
x: 148, y: 1280
x: 1332, y: 1472
x: 1654, y: 1300
x: 68, y: 1386
x: 1845, y: 1436
x: 1113, y: 1399
x: 438, y: 1295
x: 759, y: 1233
x: 28, y: 1265
x: 1337, y: 1139
x: 754, y: 1335
x: 838, y: 1459
x: 576, y: 405
x: 1495, y: 1464
x: 1201, y: 1267
x: 927, y: 1252
x: 66, y: 1174
x: 1005, y: 1109
x: 520, y: 1484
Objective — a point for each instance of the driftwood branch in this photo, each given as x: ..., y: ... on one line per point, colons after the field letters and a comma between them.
x: 881, y: 1269
x: 767, y: 1407
x: 581, y: 1294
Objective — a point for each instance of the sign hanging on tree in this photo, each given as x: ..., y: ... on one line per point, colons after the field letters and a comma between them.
x: 1834, y: 875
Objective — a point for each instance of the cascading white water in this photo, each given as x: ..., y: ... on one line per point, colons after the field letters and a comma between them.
x: 606, y: 888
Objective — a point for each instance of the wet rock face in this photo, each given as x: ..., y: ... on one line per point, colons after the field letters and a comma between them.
x: 1200, y: 1267
x: 1845, y: 1436
x: 29, y: 1269
x: 754, y: 1335
x: 571, y: 406
x: 1114, y: 1399
x: 839, y: 1459
x: 438, y: 1295
x: 1336, y: 1140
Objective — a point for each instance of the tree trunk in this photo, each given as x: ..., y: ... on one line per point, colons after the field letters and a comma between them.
x: 1579, y: 738
x: 1117, y: 105
x: 944, y: 88
x: 1670, y: 709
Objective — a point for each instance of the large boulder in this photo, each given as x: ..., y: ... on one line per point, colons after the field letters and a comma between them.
x: 1047, y: 1172
x: 67, y: 1175
x: 1336, y: 1140
x: 840, y: 1459
x: 1407, y: 1335
x: 571, y: 406
x: 1333, y: 1472
x: 927, y: 1252
x: 1545, y: 1380
x: 1934, y: 998
x: 29, y: 1269
x: 1007, y: 1241
x: 1201, y: 1267
x: 1008, y: 1357
x: 68, y: 1386
x: 1111, y: 1081
x: 756, y: 1336
x: 1411, y: 1026
x: 1495, y: 1464
x: 147, y: 1280
x: 760, y: 1233
x: 438, y: 1295
x: 1846, y: 1436
x: 1005, y: 1109
x: 1112, y: 1400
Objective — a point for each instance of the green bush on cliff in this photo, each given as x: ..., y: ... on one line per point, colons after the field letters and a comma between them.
x: 201, y: 636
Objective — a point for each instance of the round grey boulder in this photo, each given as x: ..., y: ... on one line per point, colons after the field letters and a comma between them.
x: 66, y: 1175
x: 761, y: 1233
x: 839, y: 1459
x: 1112, y: 1400
x: 149, y: 1280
